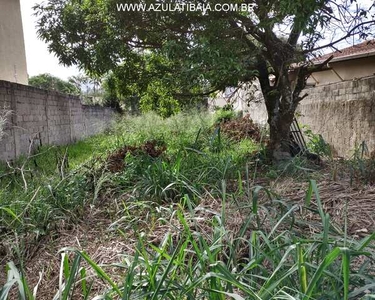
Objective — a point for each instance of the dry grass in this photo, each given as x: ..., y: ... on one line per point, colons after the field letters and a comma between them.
x: 98, y: 235
x: 241, y: 128
x: 110, y: 232
x: 339, y: 199
x: 4, y: 116
x: 90, y: 234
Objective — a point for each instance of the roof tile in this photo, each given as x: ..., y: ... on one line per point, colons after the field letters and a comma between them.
x: 362, y: 48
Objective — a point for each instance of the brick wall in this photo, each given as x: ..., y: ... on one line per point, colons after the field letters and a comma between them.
x: 344, y: 113
x: 46, y: 118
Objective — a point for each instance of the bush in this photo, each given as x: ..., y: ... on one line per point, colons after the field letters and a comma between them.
x: 241, y: 128
x: 224, y: 115
x: 316, y: 144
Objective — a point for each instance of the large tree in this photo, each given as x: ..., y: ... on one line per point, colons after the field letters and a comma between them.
x: 154, y: 83
x: 49, y: 82
x: 213, y: 49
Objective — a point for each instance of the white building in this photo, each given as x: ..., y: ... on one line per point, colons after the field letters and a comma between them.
x: 247, y: 98
x: 12, y: 46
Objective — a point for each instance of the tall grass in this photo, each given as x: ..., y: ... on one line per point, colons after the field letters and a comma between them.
x: 57, y: 182
x: 278, y: 262
x: 269, y: 257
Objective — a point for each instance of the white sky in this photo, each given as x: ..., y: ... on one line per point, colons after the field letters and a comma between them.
x: 39, y: 60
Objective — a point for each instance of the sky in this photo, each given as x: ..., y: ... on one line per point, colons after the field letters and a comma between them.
x: 39, y: 60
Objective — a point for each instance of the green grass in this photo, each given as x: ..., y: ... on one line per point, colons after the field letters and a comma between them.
x: 271, y: 255
x: 278, y: 262
x: 43, y: 187
x: 45, y: 161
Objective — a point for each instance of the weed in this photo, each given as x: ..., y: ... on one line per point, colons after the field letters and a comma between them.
x: 316, y: 144
x: 278, y: 262
x: 224, y: 115
x: 361, y: 165
x: 252, y: 245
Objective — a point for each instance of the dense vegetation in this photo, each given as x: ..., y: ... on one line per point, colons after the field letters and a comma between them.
x: 53, y: 83
x: 195, y: 155
x: 184, y: 194
x: 165, y: 58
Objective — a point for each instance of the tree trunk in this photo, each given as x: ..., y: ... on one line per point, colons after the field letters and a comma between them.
x: 281, y: 108
x: 279, y: 144
x: 281, y: 99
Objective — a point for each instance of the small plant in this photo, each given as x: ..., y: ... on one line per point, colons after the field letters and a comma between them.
x: 4, y: 115
x: 317, y: 144
x: 224, y: 115
x: 361, y: 165
x: 257, y: 261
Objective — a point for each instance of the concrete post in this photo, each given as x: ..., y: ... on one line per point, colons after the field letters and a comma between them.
x: 12, y: 46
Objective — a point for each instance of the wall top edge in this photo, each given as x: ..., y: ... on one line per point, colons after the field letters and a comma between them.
x: 367, y: 78
x: 28, y: 88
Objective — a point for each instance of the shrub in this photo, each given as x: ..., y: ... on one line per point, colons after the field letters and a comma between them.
x: 316, y: 144
x: 224, y: 115
x: 241, y: 128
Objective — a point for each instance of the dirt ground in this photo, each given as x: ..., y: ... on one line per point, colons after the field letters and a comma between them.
x: 94, y: 232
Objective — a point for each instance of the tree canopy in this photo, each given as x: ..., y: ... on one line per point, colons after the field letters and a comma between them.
x: 153, y: 82
x: 205, y: 51
x: 53, y: 83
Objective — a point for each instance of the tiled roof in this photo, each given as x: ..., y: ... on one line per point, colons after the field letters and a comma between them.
x: 366, y: 47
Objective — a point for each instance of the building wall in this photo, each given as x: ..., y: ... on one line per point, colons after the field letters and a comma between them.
x: 344, y: 113
x: 39, y: 117
x: 345, y: 70
x: 247, y: 99
x: 12, y: 47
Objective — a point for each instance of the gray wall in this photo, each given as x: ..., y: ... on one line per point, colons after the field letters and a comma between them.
x: 344, y: 113
x: 46, y: 118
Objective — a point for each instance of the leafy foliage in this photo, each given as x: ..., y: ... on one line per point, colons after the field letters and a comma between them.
x: 317, y: 144
x: 203, y: 51
x: 52, y: 83
x: 157, y: 88
x: 224, y: 115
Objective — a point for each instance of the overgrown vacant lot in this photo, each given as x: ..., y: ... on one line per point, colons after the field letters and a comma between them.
x: 185, y: 208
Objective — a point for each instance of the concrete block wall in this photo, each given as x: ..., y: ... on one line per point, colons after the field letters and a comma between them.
x: 40, y: 117
x: 344, y: 113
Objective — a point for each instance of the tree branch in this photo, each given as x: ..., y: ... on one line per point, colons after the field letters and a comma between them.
x: 349, y: 34
x: 196, y: 94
